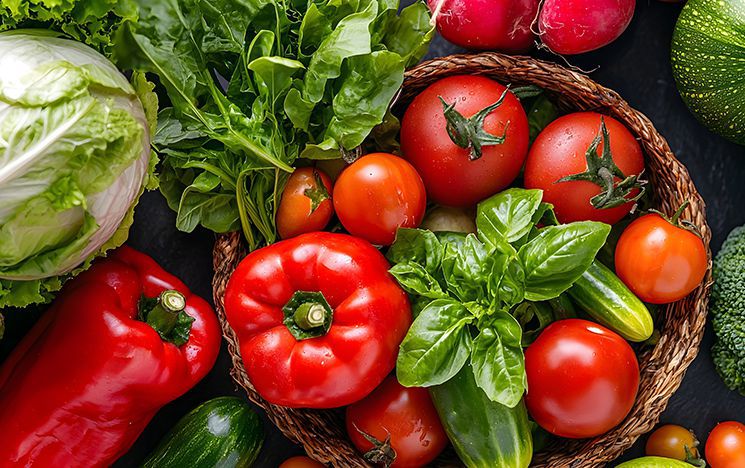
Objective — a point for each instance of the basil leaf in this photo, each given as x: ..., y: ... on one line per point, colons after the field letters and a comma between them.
x: 436, y: 346
x: 507, y: 215
x: 541, y: 113
x: 466, y: 269
x: 533, y: 318
x: 507, y: 281
x: 558, y: 256
x: 416, y: 280
x: 498, y: 361
x: 417, y: 246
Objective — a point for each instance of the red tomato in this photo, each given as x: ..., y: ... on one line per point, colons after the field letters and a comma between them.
x: 660, y: 262
x: 301, y: 462
x: 407, y: 415
x: 671, y: 441
x: 486, y: 24
x: 725, y: 447
x: 582, y: 379
x: 452, y: 178
x: 306, y: 203
x: 559, y: 151
x: 378, y: 194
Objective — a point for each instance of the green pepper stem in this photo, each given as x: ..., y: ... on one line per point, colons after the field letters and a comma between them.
x: 164, y: 315
x: 310, y: 315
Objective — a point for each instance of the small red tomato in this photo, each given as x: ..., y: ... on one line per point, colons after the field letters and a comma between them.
x: 301, y: 462
x: 462, y: 174
x: 659, y: 261
x: 725, y: 447
x: 406, y: 416
x: 378, y: 194
x: 560, y: 151
x: 671, y: 441
x: 582, y: 379
x: 306, y: 204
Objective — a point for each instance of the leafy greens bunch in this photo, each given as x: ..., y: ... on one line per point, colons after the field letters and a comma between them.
x: 469, y: 289
x: 93, y: 22
x: 257, y: 84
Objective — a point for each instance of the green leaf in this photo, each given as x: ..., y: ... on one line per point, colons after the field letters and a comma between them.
x: 508, y: 215
x: 506, y: 281
x: 558, y: 256
x: 416, y: 280
x: 466, y: 269
x: 541, y: 113
x: 498, y: 361
x: 416, y: 246
x: 409, y: 34
x: 437, y: 345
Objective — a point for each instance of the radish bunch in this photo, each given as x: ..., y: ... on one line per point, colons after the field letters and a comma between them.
x: 566, y: 27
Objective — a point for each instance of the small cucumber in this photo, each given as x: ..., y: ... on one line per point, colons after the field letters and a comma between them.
x: 654, y: 462
x: 604, y: 297
x: 485, y: 434
x: 224, y: 432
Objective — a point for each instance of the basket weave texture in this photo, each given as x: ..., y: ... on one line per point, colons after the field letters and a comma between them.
x: 681, y: 324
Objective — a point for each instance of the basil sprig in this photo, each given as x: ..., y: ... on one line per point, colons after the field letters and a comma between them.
x: 468, y: 289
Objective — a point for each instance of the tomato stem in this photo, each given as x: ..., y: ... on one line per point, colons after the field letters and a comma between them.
x: 470, y: 133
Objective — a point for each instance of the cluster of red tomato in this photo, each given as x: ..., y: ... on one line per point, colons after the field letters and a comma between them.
x: 582, y: 377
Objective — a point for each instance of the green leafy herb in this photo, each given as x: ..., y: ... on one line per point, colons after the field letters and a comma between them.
x: 256, y: 84
x: 476, y: 294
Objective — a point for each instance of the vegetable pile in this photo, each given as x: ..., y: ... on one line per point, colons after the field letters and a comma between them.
x: 302, y: 80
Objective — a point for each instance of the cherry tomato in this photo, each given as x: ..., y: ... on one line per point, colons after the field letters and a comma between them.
x: 378, y: 194
x: 725, y: 447
x: 450, y: 174
x: 486, y: 24
x: 301, y: 462
x: 559, y: 151
x: 671, y: 441
x: 407, y: 415
x: 660, y: 262
x: 306, y: 204
x: 582, y: 379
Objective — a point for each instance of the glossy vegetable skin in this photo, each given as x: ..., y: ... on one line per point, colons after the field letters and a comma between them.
x: 560, y: 151
x: 319, y: 319
x: 604, y: 297
x: 654, y: 462
x: 223, y: 432
x: 454, y: 175
x: 406, y: 416
x: 484, y: 433
x: 378, y: 194
x: 503, y: 25
x: 582, y: 379
x: 86, y: 380
x: 671, y: 441
x: 306, y: 204
x: 570, y: 27
x: 659, y: 261
x: 725, y: 447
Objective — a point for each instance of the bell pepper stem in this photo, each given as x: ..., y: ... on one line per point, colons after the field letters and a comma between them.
x: 164, y: 315
x: 310, y: 315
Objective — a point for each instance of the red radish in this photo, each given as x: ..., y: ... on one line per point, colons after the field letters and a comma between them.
x: 570, y: 27
x: 486, y: 24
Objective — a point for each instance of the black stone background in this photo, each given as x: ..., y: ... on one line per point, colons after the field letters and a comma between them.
x: 638, y: 67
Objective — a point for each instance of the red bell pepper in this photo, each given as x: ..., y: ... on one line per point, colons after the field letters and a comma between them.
x: 89, y: 376
x: 319, y: 319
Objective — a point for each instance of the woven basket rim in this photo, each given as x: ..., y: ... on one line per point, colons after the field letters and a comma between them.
x: 663, y: 367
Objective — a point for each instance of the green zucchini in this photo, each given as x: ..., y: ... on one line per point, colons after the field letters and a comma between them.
x: 654, y: 462
x: 604, y: 297
x: 484, y: 434
x: 224, y: 432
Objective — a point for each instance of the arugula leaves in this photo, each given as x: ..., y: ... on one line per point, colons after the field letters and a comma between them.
x: 476, y: 293
x: 256, y: 84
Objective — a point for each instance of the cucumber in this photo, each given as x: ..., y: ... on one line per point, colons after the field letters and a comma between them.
x: 604, y: 297
x: 224, y: 432
x: 484, y: 434
x: 654, y: 462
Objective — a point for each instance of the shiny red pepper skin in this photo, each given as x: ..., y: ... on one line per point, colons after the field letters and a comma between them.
x: 87, y: 379
x: 371, y: 315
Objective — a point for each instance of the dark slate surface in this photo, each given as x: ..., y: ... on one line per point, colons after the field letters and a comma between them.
x: 637, y: 66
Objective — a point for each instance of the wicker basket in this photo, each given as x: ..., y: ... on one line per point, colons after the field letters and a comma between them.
x: 322, y: 433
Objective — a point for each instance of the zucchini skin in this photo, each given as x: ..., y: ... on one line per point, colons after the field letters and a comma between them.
x: 654, y: 462
x: 604, y: 297
x: 224, y: 432
x: 485, y: 434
